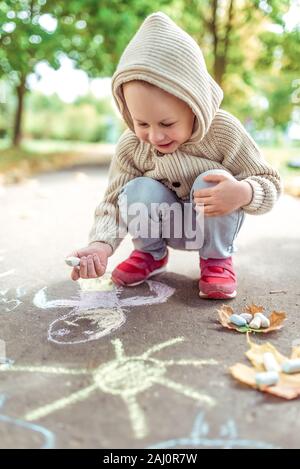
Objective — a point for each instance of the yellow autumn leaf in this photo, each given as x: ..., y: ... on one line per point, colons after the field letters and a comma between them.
x: 256, y: 353
x: 288, y: 386
x: 243, y: 373
x: 296, y: 352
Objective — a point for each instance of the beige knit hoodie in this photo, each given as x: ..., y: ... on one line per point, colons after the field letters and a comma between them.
x: 163, y: 54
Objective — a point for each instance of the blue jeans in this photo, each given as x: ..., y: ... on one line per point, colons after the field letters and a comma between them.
x: 217, y: 233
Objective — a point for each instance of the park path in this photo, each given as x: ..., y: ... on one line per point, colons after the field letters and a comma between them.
x: 177, y: 390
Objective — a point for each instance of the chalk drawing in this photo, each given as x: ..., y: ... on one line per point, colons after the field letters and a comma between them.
x: 103, y: 283
x: 14, y: 304
x: 20, y: 292
x: 126, y: 377
x: 5, y: 362
x: 48, y: 436
x: 11, y: 304
x: 3, y: 358
x: 228, y: 438
x: 95, y: 314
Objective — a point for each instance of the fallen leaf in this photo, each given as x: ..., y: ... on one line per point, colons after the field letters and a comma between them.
x: 256, y: 352
x: 276, y: 319
x: 253, y: 309
x: 295, y: 352
x: 288, y: 386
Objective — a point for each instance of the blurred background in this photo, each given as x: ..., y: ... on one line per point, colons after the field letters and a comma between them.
x: 57, y: 57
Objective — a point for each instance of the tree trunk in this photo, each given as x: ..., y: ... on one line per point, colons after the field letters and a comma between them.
x: 221, y: 44
x: 17, y: 135
x: 219, y: 69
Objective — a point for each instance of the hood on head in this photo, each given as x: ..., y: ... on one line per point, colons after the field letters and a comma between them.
x: 163, y: 54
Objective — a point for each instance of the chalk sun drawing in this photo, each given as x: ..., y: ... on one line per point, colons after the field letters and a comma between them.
x: 126, y: 377
x: 228, y: 438
x: 29, y: 428
x: 95, y: 314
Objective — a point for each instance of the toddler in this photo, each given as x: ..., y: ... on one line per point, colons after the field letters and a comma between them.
x: 187, y: 168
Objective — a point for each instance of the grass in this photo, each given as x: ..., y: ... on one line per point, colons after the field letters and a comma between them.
x: 278, y: 156
x: 22, y: 162
x: 37, y: 156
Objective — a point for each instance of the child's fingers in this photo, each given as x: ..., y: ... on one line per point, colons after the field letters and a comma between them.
x: 83, y: 267
x: 75, y: 274
x: 99, y: 268
x: 214, y: 211
x: 203, y: 192
x: 203, y: 200
x: 91, y: 273
x: 215, y: 177
x: 211, y: 214
x: 210, y: 210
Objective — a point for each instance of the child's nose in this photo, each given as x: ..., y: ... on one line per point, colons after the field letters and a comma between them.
x: 156, y: 137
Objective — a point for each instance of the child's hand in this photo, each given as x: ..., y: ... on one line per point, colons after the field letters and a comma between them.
x: 93, y: 261
x: 225, y: 197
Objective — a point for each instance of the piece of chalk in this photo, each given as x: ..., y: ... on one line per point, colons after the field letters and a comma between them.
x: 72, y: 261
x: 270, y: 362
x: 237, y: 320
x: 247, y: 316
x: 265, y: 323
x: 291, y: 366
x: 255, y: 323
x: 267, y: 378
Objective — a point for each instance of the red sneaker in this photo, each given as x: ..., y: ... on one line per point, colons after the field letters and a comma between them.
x: 218, y: 279
x: 137, y: 268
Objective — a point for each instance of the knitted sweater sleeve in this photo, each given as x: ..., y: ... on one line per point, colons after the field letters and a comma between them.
x: 243, y: 159
x: 122, y: 170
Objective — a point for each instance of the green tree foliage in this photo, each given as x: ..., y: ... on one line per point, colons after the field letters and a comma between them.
x: 24, y: 42
x: 278, y: 68
x: 92, y: 33
x: 105, y: 28
x: 86, y: 119
x: 254, y: 64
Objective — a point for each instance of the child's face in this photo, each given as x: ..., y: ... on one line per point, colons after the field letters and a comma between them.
x: 159, y: 118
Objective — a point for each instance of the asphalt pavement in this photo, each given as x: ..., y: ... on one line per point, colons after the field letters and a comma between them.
x: 141, y: 367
